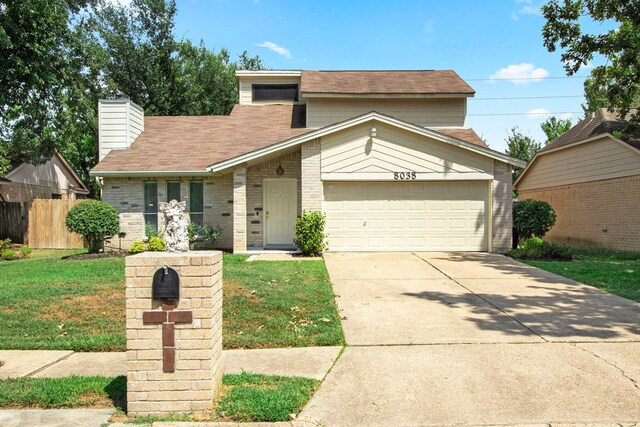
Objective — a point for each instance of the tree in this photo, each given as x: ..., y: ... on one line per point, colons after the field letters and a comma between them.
x: 34, y: 74
x: 521, y: 146
x: 619, y: 79
x: 554, y: 127
x: 95, y: 221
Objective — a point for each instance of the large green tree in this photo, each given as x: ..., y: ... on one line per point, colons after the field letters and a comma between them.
x: 34, y: 75
x: 520, y: 146
x: 75, y: 55
x: 553, y: 127
x: 618, y: 81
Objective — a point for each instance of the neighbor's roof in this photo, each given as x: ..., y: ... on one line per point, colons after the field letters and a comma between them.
x: 417, y: 82
x: 600, y: 122
x: 191, y: 143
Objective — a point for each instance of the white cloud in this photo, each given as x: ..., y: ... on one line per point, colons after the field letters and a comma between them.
x: 527, y: 9
x: 539, y: 113
x: 566, y: 116
x: 530, y: 10
x: 520, y: 74
x: 276, y: 48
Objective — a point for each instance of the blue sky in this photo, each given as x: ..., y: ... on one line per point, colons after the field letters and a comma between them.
x: 480, y: 40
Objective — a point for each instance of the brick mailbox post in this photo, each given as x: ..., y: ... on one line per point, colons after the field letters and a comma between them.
x: 174, y: 342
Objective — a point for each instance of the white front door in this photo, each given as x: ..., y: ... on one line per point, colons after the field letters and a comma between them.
x: 280, y: 206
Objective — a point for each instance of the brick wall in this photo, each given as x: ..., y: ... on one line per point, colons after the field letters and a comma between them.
x: 585, y: 210
x: 19, y: 192
x: 502, y: 207
x: 255, y: 192
x: 239, y: 209
x: 197, y: 378
x: 312, y: 189
x: 126, y: 195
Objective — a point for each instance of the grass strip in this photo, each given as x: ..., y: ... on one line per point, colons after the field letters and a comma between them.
x: 612, y: 271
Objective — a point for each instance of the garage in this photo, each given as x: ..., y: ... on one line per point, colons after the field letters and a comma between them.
x: 407, y: 216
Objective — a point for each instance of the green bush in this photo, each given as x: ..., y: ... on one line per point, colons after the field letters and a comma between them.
x: 156, y: 244
x: 533, y: 250
x: 532, y: 243
x: 8, y: 254
x: 137, y: 247
x: 533, y: 218
x: 150, y: 231
x: 5, y: 244
x: 208, y: 234
x: 95, y: 221
x: 26, y: 251
x: 310, y: 237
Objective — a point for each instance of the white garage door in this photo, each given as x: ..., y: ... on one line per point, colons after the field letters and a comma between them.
x: 406, y: 216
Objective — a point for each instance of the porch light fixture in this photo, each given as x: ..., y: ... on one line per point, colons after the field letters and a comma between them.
x: 373, y: 133
x: 280, y: 170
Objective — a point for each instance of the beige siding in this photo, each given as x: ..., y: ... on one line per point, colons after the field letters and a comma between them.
x: 602, y: 159
x: 51, y: 174
x: 120, y: 121
x: 245, y: 84
x: 392, y: 150
x: 424, y: 112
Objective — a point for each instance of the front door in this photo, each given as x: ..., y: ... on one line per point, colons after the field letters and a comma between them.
x: 280, y: 206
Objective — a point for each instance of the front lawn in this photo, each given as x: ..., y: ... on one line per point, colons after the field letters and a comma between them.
x: 244, y: 397
x: 614, y: 272
x: 47, y: 302
x: 278, y: 304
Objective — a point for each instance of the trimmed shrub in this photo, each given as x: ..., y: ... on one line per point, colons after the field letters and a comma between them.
x: 8, y: 254
x: 206, y: 233
x: 95, y: 221
x: 310, y: 237
x: 533, y: 218
x: 538, y: 249
x: 156, y: 244
x: 137, y: 247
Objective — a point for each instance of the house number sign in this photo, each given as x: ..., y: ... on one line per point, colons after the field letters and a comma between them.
x: 404, y: 176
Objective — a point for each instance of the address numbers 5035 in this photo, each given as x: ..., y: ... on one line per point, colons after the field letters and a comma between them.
x: 404, y: 175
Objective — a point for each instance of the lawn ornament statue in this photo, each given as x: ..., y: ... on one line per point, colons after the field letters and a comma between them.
x: 176, y: 235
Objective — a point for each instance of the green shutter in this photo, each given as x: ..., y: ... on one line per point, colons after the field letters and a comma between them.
x: 196, y: 197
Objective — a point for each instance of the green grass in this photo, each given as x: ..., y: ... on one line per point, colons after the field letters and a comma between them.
x: 614, y: 272
x: 278, y: 304
x: 51, y: 303
x: 244, y: 397
x: 67, y: 392
x: 47, y: 302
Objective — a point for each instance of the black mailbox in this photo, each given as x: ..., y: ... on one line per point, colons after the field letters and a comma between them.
x: 166, y: 284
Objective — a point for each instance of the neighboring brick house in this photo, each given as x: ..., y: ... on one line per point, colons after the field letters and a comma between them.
x: 54, y: 179
x: 385, y: 154
x: 592, y: 180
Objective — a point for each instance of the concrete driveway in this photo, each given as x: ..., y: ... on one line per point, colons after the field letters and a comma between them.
x: 474, y: 338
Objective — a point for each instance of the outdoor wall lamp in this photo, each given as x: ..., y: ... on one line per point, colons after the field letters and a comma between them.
x: 373, y: 133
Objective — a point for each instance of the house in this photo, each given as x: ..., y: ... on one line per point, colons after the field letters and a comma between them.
x: 591, y: 177
x: 386, y: 155
x: 54, y: 179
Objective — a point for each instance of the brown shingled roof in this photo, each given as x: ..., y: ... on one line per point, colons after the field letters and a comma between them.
x: 180, y: 143
x: 468, y: 135
x: 418, y: 82
x: 600, y: 122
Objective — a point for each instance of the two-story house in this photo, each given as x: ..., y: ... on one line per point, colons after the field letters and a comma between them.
x: 386, y: 155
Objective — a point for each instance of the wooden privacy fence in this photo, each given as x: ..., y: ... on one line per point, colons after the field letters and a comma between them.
x: 14, y: 218
x: 47, y: 229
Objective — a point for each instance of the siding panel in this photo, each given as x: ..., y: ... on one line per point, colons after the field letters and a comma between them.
x: 424, y: 112
x: 593, y: 161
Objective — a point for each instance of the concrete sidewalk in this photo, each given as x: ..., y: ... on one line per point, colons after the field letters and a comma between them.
x: 310, y: 362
